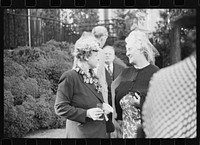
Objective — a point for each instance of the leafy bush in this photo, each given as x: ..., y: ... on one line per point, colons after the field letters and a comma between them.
x: 31, y: 87
x: 54, y: 71
x: 17, y: 120
x: 43, y: 112
x: 23, y: 55
x: 30, y: 82
x: 17, y: 88
x: 13, y: 68
x: 52, y: 45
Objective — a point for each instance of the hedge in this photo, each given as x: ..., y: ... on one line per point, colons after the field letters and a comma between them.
x: 30, y: 82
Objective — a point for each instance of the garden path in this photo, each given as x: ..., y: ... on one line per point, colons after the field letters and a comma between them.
x: 49, y: 133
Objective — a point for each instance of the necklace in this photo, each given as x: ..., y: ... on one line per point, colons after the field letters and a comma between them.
x: 89, y: 79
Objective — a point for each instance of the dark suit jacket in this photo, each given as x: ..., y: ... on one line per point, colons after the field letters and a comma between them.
x: 117, y: 69
x: 73, y: 98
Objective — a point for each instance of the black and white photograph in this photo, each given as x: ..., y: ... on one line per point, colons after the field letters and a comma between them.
x: 99, y: 73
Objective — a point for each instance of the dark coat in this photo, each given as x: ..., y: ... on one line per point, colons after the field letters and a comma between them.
x: 117, y: 69
x: 73, y: 98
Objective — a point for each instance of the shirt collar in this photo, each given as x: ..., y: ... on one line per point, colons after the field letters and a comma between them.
x: 111, y: 66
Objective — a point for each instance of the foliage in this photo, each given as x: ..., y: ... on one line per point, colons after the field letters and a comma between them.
x: 30, y: 82
x: 31, y: 87
x: 131, y: 19
x: 17, y: 88
x: 83, y: 18
x: 18, y: 120
x: 11, y: 67
x: 87, y: 16
x: 162, y: 37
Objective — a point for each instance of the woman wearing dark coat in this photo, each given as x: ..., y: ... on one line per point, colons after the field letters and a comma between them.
x: 79, y: 92
x: 130, y: 88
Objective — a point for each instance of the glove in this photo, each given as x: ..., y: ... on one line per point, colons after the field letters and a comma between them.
x: 95, y: 113
x: 107, y: 108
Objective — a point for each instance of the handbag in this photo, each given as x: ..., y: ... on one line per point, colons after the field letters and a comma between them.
x: 110, y: 126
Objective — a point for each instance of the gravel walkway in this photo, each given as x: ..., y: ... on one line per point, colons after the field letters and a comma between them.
x: 50, y: 133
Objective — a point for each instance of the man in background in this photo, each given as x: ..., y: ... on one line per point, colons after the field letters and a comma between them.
x: 101, y: 34
x: 112, y: 69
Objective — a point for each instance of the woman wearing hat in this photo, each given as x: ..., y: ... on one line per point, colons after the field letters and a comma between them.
x: 79, y: 93
x: 130, y: 88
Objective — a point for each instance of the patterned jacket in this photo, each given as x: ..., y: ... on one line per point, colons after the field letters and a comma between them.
x: 170, y: 107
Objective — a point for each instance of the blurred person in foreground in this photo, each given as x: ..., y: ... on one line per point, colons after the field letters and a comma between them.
x: 130, y: 87
x: 170, y: 107
x: 79, y: 98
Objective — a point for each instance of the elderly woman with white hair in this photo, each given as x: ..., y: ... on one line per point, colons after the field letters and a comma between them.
x: 130, y: 88
x: 79, y: 98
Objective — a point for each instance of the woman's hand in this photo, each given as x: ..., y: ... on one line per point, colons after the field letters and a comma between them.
x: 107, y: 108
x: 136, y: 98
x: 95, y: 113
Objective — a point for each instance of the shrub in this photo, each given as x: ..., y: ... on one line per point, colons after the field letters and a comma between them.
x: 43, y: 112
x: 23, y: 55
x: 17, y: 88
x: 37, y: 69
x: 18, y: 121
x: 11, y: 129
x: 58, y: 122
x: 54, y: 71
x: 30, y: 82
x: 30, y: 107
x: 31, y: 87
x: 44, y: 86
x: 13, y: 68
x: 8, y: 102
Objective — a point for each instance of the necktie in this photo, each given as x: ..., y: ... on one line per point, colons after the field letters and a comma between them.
x: 109, y: 70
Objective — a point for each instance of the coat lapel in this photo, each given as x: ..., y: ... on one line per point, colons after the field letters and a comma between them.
x: 91, y: 87
x: 93, y: 90
x: 116, y: 70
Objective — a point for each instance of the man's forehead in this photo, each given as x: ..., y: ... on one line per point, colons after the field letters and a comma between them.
x: 108, y: 49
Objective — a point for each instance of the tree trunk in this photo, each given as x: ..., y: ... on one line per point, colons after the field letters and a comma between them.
x: 175, y: 45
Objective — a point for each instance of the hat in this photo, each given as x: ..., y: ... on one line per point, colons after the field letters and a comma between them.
x: 187, y: 21
x: 87, y: 42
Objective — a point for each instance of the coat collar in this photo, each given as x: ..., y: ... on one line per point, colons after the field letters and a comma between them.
x: 94, y: 91
x: 91, y: 87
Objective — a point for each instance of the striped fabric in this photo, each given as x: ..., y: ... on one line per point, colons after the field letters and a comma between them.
x: 170, y: 107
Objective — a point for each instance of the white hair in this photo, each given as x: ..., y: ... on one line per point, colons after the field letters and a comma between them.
x: 140, y: 40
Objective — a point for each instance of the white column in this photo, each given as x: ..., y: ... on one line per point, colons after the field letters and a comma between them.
x: 29, y: 28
